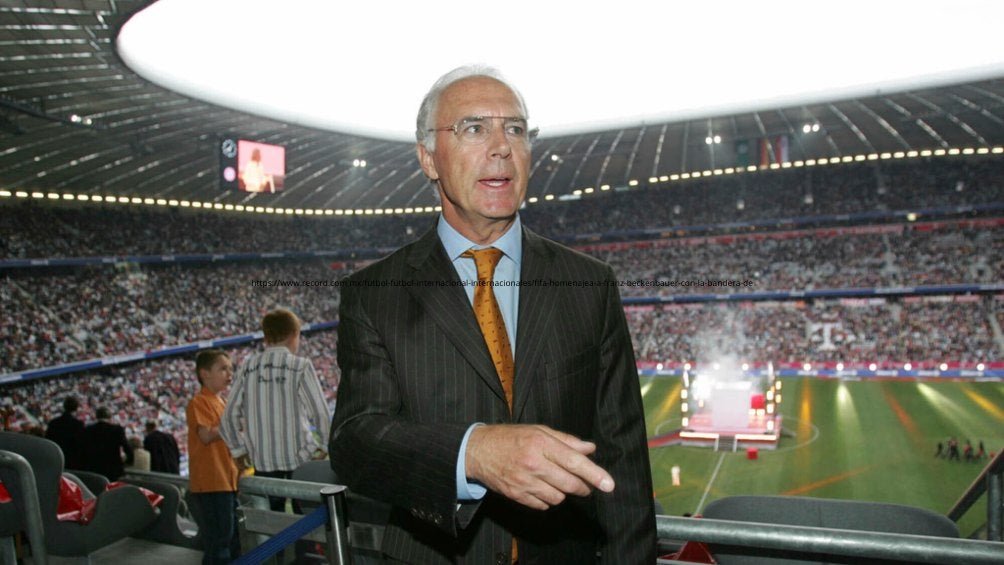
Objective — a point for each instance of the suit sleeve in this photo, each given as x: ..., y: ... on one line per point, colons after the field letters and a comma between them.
x: 627, y: 515
x: 375, y: 448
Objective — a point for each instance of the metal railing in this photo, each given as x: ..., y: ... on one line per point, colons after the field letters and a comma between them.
x: 850, y: 543
x: 991, y: 482
x: 805, y: 539
x: 170, y: 478
x: 259, y: 519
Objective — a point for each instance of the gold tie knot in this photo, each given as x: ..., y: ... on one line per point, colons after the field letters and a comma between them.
x: 485, y: 260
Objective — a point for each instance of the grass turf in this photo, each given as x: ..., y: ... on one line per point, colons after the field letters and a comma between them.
x: 861, y: 440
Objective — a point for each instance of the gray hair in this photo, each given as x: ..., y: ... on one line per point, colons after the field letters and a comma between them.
x: 427, y: 111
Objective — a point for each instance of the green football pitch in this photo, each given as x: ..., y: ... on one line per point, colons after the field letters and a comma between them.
x: 861, y: 440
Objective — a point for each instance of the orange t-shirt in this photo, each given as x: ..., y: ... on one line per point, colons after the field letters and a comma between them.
x: 210, y: 467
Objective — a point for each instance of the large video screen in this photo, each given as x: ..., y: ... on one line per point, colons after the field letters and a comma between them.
x: 252, y: 166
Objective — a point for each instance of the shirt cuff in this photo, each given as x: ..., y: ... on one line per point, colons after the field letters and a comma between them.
x: 467, y: 490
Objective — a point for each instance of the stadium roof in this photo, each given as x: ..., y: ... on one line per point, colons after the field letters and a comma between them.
x: 74, y: 119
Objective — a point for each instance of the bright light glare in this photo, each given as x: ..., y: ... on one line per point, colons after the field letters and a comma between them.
x: 363, y: 67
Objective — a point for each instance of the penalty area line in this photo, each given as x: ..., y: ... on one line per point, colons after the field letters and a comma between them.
x: 707, y: 489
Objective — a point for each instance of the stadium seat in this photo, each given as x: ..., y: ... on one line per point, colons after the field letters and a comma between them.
x: 21, y: 512
x: 172, y: 526
x: 821, y: 513
x: 94, y: 482
x: 118, y: 513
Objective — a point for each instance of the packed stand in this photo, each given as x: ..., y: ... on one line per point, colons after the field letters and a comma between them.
x: 62, y: 315
x: 152, y: 390
x: 922, y: 331
x: 47, y: 229
x: 76, y: 314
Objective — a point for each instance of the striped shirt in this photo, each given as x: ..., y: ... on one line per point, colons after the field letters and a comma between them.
x: 276, y: 412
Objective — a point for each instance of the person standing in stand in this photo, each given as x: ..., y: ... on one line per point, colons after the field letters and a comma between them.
x: 277, y: 417
x: 500, y: 418
x: 212, y: 472
x: 66, y: 430
x: 103, y: 446
x: 163, y: 448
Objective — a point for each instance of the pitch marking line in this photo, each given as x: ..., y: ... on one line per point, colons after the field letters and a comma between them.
x: 707, y: 489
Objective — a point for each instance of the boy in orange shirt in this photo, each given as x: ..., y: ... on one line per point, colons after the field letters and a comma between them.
x: 212, y: 473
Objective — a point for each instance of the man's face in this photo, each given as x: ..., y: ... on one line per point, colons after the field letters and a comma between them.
x: 219, y: 375
x: 482, y: 185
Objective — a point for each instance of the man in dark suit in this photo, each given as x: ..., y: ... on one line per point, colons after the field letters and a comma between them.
x: 538, y: 453
x: 104, y: 444
x: 66, y: 430
x: 163, y: 448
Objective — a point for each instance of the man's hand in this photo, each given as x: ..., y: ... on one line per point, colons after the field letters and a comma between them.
x: 534, y: 465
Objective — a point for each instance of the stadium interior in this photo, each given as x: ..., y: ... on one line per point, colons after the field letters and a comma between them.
x: 855, y: 247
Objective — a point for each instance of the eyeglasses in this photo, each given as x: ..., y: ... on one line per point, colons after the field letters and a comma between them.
x: 475, y: 130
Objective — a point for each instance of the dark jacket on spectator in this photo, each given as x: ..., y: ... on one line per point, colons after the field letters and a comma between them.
x: 164, y: 455
x: 104, y: 443
x: 66, y: 431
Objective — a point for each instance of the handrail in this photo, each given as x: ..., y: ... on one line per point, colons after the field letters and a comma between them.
x: 332, y: 496
x: 156, y: 476
x: 989, y: 481
x: 27, y: 493
x: 852, y: 543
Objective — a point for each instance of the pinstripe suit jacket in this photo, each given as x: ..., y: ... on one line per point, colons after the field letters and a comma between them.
x: 416, y: 374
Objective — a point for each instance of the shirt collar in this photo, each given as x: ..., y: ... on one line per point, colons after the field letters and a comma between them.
x: 511, y: 242
x: 204, y: 390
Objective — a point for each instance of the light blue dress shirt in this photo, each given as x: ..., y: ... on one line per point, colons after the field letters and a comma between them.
x: 507, y: 296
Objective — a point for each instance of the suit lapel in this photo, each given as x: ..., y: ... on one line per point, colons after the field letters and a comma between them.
x: 535, y: 317
x: 439, y: 292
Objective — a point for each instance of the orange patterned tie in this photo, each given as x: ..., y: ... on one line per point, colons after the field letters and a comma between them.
x: 486, y: 310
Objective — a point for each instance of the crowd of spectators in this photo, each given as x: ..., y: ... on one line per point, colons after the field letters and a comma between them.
x: 74, y: 314
x: 922, y: 332
x: 58, y: 229
x: 883, y: 256
x: 44, y: 229
x: 57, y: 315
x: 64, y: 315
x: 153, y: 390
